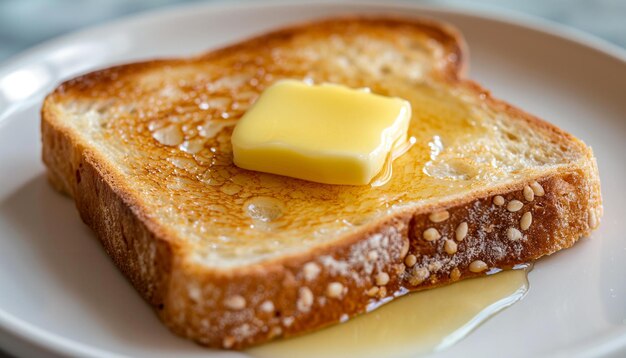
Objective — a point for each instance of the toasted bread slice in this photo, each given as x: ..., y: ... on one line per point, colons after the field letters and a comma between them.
x: 230, y: 257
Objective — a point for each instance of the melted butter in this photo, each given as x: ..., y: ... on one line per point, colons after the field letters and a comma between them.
x: 386, y: 172
x: 211, y: 128
x: 264, y: 211
x: 436, y: 147
x: 416, y: 324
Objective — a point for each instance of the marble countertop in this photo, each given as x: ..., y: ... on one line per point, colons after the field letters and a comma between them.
x: 24, y: 23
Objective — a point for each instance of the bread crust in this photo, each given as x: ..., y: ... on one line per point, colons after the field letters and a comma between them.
x: 289, y: 296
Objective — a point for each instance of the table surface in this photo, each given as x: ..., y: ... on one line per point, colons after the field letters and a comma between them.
x: 25, y: 23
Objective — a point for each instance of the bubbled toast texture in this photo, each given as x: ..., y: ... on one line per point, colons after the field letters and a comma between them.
x: 230, y: 257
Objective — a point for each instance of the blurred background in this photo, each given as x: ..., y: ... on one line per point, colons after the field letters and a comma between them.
x: 24, y: 23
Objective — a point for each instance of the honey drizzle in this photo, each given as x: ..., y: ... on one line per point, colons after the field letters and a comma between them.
x: 386, y: 172
x: 417, y: 324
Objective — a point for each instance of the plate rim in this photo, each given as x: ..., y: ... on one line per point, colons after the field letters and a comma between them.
x: 54, y: 343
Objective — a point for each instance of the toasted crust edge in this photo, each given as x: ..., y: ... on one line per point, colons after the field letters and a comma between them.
x: 147, y: 254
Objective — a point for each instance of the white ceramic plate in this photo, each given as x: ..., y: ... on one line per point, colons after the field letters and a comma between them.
x: 61, y: 295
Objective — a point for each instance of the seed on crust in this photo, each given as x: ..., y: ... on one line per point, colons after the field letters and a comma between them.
x: 288, y: 321
x: 334, y: 290
x: 410, y: 260
x: 431, y: 234
x: 372, y: 291
x: 405, y: 248
x: 450, y: 247
x: 267, y: 306
x: 372, y: 255
x: 399, y: 269
x: 305, y: 299
x: 526, y: 221
x: 228, y: 341
x: 311, y: 271
x: 461, y: 231
x: 435, y: 266
x: 498, y: 200
x: 420, y: 274
x: 382, y: 278
x: 195, y: 293
x: 382, y: 292
x: 514, y: 205
x: 455, y: 274
x: 439, y: 216
x: 537, y: 189
x: 593, y: 219
x: 235, y: 302
x: 275, y: 331
x: 477, y: 266
x: 529, y: 194
x: 513, y: 234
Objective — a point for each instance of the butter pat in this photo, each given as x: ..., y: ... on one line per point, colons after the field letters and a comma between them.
x: 323, y: 133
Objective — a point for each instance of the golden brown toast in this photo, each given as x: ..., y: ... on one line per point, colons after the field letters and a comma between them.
x: 230, y: 257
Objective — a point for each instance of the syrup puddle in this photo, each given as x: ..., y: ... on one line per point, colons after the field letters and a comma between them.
x: 416, y: 324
